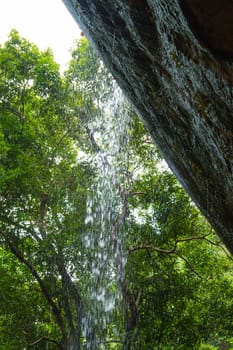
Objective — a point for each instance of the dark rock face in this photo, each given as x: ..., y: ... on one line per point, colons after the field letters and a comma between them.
x: 212, y: 23
x: 156, y: 51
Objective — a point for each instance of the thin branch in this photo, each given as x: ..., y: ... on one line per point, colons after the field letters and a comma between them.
x: 26, y: 228
x: 171, y: 250
x: 188, y: 264
x: 192, y: 238
x: 152, y: 248
x: 11, y: 109
x: 137, y: 302
x: 44, y: 338
x: 70, y: 289
x: 113, y: 341
x: 96, y: 147
x: 165, y: 251
x: 56, y: 312
x: 44, y: 198
x: 219, y: 245
x: 92, y: 140
x: 110, y: 341
x: 131, y: 194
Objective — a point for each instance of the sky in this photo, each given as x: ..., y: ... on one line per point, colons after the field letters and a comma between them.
x: 46, y: 23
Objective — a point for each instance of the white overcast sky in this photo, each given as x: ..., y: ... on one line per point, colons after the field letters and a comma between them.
x: 46, y: 23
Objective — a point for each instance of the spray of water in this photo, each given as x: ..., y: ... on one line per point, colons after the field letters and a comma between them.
x: 103, y: 242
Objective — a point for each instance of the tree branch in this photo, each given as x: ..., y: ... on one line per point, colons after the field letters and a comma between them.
x: 219, y: 245
x: 44, y: 338
x: 11, y: 109
x: 168, y: 251
x: 172, y: 250
x: 70, y: 291
x: 56, y: 312
x: 152, y: 248
x: 188, y: 264
x: 42, y: 213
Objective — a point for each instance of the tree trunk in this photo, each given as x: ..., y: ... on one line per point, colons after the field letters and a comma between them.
x: 170, y: 58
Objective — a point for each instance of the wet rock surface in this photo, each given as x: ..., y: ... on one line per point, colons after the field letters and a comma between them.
x: 176, y: 75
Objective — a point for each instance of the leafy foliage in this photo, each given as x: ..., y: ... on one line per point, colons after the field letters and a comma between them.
x: 42, y: 184
x: 177, y: 285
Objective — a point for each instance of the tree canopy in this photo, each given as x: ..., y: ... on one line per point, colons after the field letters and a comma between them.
x: 100, y: 247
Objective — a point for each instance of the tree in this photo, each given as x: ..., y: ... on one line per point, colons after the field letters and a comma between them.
x: 174, y: 258
x: 64, y: 220
x: 41, y: 184
x: 25, y: 319
x: 176, y: 72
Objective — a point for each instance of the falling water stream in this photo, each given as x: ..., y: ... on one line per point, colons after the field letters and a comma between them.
x: 103, y: 242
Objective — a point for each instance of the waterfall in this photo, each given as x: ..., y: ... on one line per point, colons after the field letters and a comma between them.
x: 105, y: 258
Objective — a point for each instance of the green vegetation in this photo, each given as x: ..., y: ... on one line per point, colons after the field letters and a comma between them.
x: 176, y: 289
